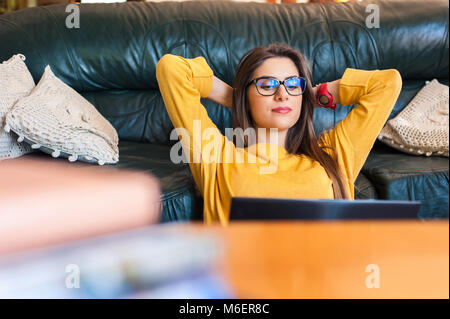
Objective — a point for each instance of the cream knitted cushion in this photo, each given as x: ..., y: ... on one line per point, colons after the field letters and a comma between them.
x: 15, y: 83
x: 422, y: 126
x: 59, y: 121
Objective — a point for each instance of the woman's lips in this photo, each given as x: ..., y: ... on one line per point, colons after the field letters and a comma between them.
x: 282, y: 110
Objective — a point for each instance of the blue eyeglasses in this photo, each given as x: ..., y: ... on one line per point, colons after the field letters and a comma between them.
x: 268, y: 86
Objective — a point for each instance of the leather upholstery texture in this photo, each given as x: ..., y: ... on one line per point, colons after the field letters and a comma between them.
x: 111, y: 59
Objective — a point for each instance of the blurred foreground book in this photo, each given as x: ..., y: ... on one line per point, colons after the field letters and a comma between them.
x: 45, y: 201
x: 144, y: 263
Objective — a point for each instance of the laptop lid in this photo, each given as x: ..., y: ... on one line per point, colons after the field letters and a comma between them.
x: 246, y: 208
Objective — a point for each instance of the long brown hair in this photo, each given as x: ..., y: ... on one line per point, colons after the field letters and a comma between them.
x: 301, y: 138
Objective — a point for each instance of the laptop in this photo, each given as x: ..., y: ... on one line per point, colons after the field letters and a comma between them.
x: 246, y: 208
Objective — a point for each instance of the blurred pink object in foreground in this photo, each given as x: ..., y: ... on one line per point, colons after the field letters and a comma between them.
x: 44, y: 201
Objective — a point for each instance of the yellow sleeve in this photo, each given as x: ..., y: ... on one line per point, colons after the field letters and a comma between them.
x: 182, y: 82
x: 375, y: 93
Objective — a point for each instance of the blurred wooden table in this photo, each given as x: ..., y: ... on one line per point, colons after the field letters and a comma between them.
x: 334, y: 259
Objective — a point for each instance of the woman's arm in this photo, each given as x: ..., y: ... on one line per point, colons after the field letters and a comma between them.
x: 221, y: 93
x: 182, y: 83
x: 375, y: 93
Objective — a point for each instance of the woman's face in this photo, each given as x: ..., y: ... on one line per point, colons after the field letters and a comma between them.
x: 264, y: 108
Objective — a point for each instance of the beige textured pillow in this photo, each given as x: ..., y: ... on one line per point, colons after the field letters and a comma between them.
x: 59, y: 121
x: 422, y: 127
x: 15, y: 83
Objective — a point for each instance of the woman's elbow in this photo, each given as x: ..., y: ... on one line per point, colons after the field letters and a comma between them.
x: 394, y: 79
x: 165, y: 64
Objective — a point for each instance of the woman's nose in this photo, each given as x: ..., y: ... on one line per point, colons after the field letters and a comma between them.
x: 281, y: 93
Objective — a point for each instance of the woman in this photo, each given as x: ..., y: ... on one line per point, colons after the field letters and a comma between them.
x: 299, y: 164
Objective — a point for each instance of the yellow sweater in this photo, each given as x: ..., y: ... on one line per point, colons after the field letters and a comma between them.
x: 268, y: 170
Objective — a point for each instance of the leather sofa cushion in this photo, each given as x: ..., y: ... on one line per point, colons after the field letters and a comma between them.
x: 180, y: 197
x: 400, y: 176
x: 364, y: 189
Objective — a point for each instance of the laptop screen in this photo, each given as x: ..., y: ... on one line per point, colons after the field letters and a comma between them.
x: 246, y: 208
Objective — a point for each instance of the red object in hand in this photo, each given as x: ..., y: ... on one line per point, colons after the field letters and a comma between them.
x: 324, y: 97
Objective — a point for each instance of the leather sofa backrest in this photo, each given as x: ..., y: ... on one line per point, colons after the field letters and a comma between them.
x: 111, y: 58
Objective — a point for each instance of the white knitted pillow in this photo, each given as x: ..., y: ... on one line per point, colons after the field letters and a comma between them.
x: 59, y: 121
x: 15, y: 83
x: 422, y: 127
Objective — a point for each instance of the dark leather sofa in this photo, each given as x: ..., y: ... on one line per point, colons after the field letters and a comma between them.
x: 111, y: 60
